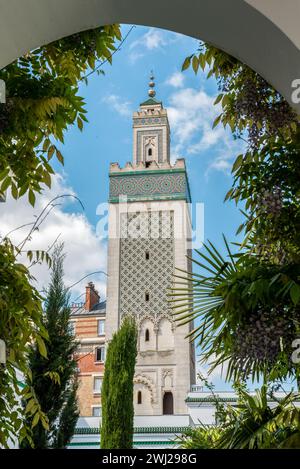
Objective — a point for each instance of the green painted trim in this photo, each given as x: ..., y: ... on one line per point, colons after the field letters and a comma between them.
x: 147, y: 171
x: 223, y: 399
x: 150, y: 101
x: 136, y: 430
x: 135, y: 443
x: 138, y: 198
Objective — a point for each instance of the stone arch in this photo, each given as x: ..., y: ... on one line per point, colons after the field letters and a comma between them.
x: 228, y: 25
x: 148, y: 383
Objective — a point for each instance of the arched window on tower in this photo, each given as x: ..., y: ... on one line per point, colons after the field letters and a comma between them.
x: 168, y: 405
x: 147, y: 335
x: 149, y: 151
x: 139, y: 397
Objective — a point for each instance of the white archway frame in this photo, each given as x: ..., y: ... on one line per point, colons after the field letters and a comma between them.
x: 247, y: 29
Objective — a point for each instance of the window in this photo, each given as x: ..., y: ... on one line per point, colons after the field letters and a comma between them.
x: 147, y: 335
x: 139, y: 397
x: 72, y: 327
x: 97, y: 385
x: 100, y: 354
x: 150, y: 152
x: 147, y: 296
x: 147, y: 255
x: 96, y: 411
x: 101, y: 327
x: 148, y: 164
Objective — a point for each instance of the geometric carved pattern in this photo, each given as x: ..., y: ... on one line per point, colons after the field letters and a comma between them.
x: 148, y: 185
x: 151, y: 232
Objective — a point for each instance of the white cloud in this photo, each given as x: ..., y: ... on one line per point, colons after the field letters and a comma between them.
x: 176, y: 80
x: 152, y: 39
x: 191, y: 114
x: 120, y: 106
x: 85, y: 253
x: 219, y: 373
x: 134, y: 56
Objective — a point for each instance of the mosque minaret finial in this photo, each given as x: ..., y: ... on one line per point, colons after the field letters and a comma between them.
x: 151, y: 91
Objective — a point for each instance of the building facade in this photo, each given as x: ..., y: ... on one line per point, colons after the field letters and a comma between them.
x: 149, y: 234
x: 88, y: 326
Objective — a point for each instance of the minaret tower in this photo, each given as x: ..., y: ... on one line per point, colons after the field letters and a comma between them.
x: 149, y: 235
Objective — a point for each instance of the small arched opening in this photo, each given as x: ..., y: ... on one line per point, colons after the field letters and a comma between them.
x: 139, y: 397
x: 168, y: 403
x: 147, y: 335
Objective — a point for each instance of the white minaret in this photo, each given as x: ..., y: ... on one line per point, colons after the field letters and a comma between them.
x: 149, y: 233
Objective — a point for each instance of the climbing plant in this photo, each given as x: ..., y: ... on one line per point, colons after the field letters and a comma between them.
x: 20, y: 324
x: 42, y: 101
x: 247, y: 304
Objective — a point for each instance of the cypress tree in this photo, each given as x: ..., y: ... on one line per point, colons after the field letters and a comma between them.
x: 54, y: 378
x: 117, y: 388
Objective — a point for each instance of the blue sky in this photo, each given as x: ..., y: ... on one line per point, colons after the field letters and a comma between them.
x: 107, y: 137
x: 110, y: 101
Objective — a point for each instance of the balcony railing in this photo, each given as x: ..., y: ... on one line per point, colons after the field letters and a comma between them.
x: 196, y: 388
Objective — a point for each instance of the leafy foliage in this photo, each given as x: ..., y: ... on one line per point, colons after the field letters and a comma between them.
x: 117, y: 388
x: 266, y: 177
x: 54, y: 376
x: 200, y: 437
x: 253, y: 424
x: 248, y: 312
x: 20, y: 324
x: 42, y: 102
x: 248, y: 304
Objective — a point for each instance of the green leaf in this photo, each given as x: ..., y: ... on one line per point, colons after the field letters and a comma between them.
x: 14, y: 191
x: 216, y: 121
x: 218, y: 99
x: 79, y: 123
x: 225, y: 100
x: 31, y: 197
x: 35, y: 420
x: 5, y: 184
x: 237, y: 163
x: 51, y: 150
x: 195, y: 64
x: 295, y: 293
x: 186, y: 63
x: 59, y: 157
x: 46, y: 144
x: 41, y: 346
x: 47, y: 179
x: 202, y: 61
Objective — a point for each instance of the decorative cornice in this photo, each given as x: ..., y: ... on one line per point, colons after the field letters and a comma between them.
x: 181, y: 196
x: 224, y: 399
x: 136, y: 430
x: 135, y: 443
x: 147, y: 172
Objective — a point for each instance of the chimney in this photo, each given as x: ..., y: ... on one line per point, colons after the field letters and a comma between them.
x: 91, y: 296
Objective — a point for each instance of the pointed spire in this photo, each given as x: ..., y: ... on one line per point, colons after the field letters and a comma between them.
x: 151, y: 91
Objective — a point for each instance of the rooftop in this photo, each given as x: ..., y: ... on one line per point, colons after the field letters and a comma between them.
x: 79, y: 309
